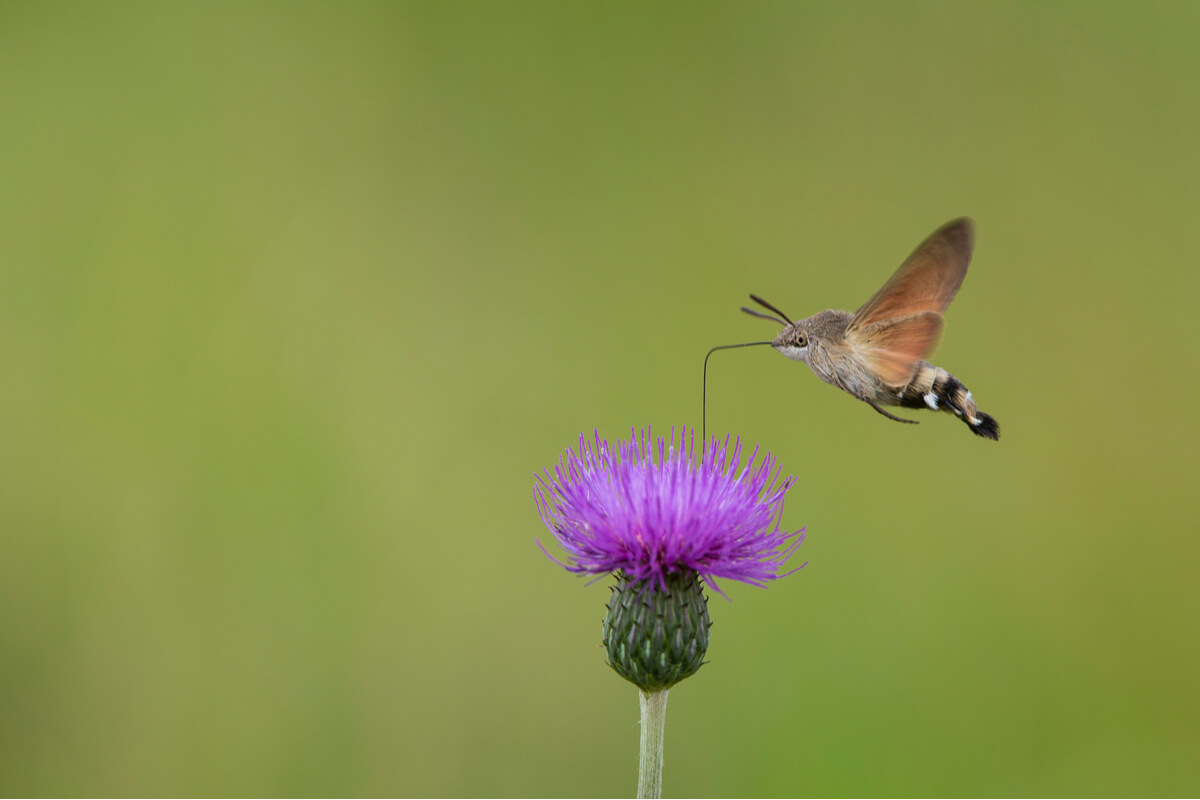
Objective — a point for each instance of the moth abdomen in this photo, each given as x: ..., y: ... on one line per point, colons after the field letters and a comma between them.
x: 936, y: 389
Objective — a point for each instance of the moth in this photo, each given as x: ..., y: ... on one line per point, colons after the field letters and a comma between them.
x: 878, y: 353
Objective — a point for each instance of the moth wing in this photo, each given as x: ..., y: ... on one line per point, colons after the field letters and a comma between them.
x: 892, y: 347
x: 927, y: 280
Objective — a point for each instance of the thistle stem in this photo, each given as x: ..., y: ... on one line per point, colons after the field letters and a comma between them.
x: 654, y: 721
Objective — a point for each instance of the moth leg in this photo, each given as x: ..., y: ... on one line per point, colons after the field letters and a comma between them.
x: 875, y: 406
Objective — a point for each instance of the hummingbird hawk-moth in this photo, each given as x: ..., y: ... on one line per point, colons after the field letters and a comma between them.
x: 878, y: 353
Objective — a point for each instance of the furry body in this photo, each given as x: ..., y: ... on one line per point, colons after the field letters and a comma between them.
x: 820, y: 341
x: 877, y: 353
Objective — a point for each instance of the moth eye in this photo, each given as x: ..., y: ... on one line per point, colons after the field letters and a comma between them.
x: 802, y: 340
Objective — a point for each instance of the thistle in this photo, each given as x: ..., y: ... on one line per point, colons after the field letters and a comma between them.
x: 666, y: 519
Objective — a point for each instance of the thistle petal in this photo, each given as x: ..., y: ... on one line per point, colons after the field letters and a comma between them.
x: 651, y: 508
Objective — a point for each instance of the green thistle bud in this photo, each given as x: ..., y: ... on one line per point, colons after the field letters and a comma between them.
x: 655, y: 635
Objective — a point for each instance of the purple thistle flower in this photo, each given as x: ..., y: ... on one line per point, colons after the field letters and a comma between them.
x: 651, y: 509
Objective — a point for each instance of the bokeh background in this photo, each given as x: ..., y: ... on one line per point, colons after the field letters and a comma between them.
x: 296, y: 298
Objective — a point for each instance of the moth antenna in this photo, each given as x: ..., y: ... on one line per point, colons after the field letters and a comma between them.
x: 704, y: 388
x: 770, y: 307
x: 761, y: 315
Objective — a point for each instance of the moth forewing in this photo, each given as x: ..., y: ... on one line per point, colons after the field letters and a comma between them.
x: 927, y: 280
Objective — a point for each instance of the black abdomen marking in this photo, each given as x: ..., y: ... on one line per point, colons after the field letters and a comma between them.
x: 934, y: 388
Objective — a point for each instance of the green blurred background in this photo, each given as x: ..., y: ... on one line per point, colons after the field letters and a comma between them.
x: 296, y: 298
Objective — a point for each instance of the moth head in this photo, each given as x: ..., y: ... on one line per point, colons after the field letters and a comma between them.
x: 793, y: 341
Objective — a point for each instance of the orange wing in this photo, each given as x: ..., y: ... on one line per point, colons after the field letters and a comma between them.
x: 926, y: 281
x: 901, y: 323
x: 893, y: 347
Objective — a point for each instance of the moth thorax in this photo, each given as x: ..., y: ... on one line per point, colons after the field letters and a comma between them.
x: 829, y: 326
